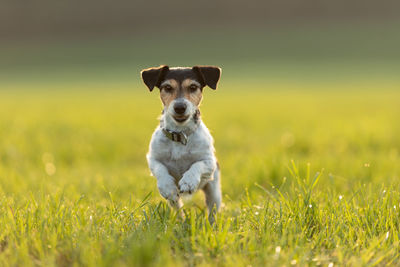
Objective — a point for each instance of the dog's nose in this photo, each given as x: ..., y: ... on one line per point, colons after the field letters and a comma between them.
x: 180, y: 108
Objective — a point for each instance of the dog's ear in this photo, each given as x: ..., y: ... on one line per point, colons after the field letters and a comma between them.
x: 209, y: 75
x: 152, y: 77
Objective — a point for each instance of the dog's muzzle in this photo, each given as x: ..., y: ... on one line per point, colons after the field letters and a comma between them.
x: 180, y: 108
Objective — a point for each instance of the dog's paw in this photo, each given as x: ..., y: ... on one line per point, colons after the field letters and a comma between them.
x: 189, y: 183
x: 168, y: 190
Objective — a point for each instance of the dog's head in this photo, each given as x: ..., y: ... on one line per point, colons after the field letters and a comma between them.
x: 181, y: 88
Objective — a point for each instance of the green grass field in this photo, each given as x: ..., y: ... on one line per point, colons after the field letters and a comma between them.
x: 310, y: 176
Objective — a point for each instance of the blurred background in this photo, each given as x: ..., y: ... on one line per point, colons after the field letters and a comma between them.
x: 74, y: 43
x: 313, y: 81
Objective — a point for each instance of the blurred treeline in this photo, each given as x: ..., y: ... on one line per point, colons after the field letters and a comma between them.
x: 44, y: 18
x: 98, y: 40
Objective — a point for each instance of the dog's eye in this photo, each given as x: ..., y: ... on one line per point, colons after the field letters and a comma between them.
x: 193, y: 88
x: 167, y: 88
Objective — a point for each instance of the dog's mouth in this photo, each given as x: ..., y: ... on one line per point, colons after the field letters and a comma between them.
x: 180, y: 119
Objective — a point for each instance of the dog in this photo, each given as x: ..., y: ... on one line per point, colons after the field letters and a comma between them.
x: 181, y: 154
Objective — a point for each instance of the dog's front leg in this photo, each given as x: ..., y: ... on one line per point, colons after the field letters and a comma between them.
x: 165, y: 183
x: 191, y: 179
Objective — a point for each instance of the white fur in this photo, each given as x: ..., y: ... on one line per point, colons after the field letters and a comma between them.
x: 181, y: 169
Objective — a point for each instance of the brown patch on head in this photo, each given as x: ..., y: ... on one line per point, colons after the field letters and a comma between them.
x: 180, y: 82
x: 169, y: 91
x: 191, y: 90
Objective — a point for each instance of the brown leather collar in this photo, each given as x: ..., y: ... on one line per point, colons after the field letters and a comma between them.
x: 175, y: 136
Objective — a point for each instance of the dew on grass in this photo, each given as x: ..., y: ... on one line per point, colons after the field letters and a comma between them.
x: 277, y: 252
x: 50, y: 168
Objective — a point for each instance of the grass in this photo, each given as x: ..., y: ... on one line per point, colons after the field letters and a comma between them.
x: 309, y: 177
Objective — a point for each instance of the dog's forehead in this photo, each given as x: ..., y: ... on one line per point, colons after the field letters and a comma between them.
x: 181, y: 74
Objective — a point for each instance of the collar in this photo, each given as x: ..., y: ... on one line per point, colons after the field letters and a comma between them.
x: 182, y: 136
x: 175, y: 136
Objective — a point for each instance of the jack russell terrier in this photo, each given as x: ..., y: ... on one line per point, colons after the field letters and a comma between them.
x: 181, y: 154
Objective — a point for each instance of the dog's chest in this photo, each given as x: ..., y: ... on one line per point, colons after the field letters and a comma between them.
x: 179, y: 152
x: 179, y: 158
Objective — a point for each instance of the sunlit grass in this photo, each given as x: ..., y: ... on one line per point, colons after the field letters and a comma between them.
x: 309, y: 177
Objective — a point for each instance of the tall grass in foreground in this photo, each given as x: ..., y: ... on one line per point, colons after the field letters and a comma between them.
x: 292, y: 224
